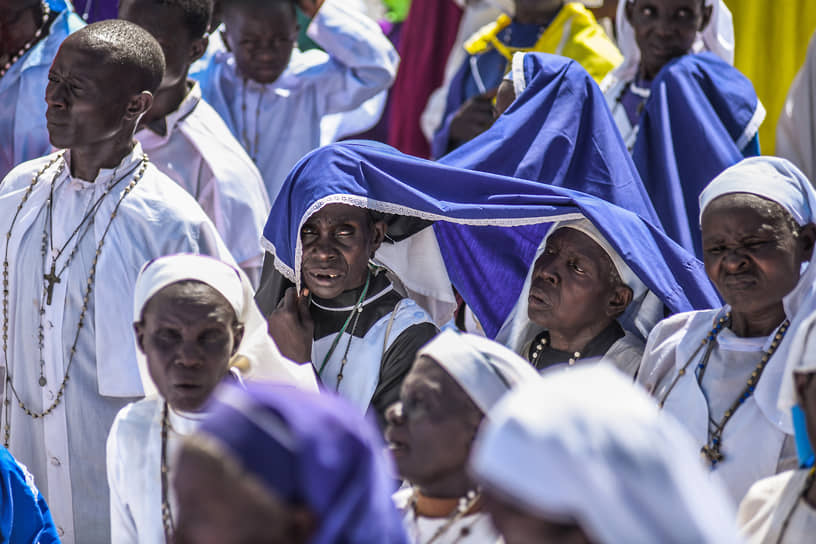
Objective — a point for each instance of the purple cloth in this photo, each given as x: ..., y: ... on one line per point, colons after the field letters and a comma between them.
x: 97, y: 10
x: 312, y: 450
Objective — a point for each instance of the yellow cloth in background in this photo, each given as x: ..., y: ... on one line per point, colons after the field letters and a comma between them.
x: 771, y: 39
x: 574, y: 33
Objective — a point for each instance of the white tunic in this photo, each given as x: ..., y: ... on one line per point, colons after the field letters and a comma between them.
x: 472, y: 529
x: 199, y: 153
x: 755, y: 446
x: 134, y: 469
x: 278, y: 123
x: 65, y: 450
x: 770, y: 502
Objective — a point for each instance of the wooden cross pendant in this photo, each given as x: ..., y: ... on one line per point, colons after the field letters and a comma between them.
x: 51, y: 278
x: 712, y: 453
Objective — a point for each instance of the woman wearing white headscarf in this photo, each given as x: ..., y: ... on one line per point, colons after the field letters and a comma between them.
x: 196, y: 323
x: 454, y: 383
x: 629, y: 476
x: 719, y: 371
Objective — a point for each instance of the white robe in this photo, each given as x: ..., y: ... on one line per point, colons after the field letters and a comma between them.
x: 754, y: 444
x: 65, y: 450
x: 281, y: 120
x: 796, y: 130
x: 199, y: 153
x: 472, y: 529
x: 762, y: 513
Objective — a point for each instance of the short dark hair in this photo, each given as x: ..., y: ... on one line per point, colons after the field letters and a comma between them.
x: 197, y: 14
x: 228, y: 5
x: 127, y: 45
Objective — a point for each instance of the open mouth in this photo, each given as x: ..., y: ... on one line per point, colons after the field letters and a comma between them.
x: 538, y: 298
x: 324, y: 276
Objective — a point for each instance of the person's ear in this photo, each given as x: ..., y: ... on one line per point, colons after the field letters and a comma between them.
x: 237, y: 336
x: 378, y: 230
x: 138, y: 105
x: 629, y: 9
x: 619, y: 300
x: 806, y: 241
x: 198, y: 48
x: 707, y: 11
x: 138, y: 330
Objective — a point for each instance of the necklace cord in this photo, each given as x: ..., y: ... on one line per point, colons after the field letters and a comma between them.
x: 355, y: 310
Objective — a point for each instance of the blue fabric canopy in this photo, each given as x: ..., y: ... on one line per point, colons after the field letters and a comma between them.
x: 24, y: 515
x: 559, y: 131
x: 701, y: 114
x: 488, y: 226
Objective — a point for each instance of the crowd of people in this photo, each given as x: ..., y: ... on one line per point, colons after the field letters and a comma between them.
x: 574, y: 303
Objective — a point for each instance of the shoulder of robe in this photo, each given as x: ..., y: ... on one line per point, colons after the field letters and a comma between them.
x: 21, y: 175
x: 626, y: 354
x: 763, y: 497
x: 134, y: 421
x: 157, y: 197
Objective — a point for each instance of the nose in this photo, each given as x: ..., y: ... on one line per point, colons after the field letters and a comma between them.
x: 394, y: 415
x: 55, y: 95
x: 323, y: 249
x: 189, y: 355
x: 734, y: 260
x: 547, y: 271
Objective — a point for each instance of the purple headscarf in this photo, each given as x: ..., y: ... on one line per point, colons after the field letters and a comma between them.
x: 311, y: 450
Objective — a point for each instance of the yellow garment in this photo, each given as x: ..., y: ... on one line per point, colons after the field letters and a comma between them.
x: 574, y: 33
x: 771, y: 39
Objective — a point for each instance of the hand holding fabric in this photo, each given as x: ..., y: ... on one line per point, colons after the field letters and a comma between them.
x: 473, y: 117
x: 291, y: 326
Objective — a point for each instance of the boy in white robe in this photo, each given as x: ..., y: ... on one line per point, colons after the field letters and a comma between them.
x: 455, y: 381
x: 78, y: 225
x: 272, y: 96
x: 719, y: 371
x: 187, y: 139
x: 193, y: 316
x: 38, y: 29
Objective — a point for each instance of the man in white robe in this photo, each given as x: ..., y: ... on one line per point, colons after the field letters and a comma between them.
x: 187, y: 139
x: 274, y: 107
x: 78, y: 226
x: 23, y: 135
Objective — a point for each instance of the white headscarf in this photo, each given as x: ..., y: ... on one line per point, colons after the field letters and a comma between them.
x: 589, y: 446
x: 780, y: 181
x: 717, y: 37
x: 640, y: 316
x: 265, y: 361
x: 484, y: 369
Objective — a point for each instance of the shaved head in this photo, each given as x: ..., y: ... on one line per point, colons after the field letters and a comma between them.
x: 131, y: 49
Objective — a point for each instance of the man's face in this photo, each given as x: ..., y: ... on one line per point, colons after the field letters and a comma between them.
x: 750, y: 252
x: 536, y: 11
x: 86, y: 102
x: 338, y: 241
x: 165, y: 22
x: 431, y: 429
x: 665, y: 29
x: 188, y: 333
x: 261, y: 39
x: 571, y: 284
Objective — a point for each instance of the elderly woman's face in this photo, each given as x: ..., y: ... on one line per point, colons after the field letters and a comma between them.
x: 431, y: 429
x: 188, y: 334
x: 751, y: 251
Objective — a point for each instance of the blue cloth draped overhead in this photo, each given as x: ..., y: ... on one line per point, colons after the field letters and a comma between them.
x: 488, y: 226
x: 701, y: 115
x: 24, y: 515
x: 559, y: 131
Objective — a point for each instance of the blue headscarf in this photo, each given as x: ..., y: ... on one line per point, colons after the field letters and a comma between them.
x: 558, y: 131
x: 310, y: 450
x: 488, y: 227
x: 24, y: 515
x: 701, y: 115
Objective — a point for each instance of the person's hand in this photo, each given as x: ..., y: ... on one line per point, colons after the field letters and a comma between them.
x: 291, y: 326
x: 474, y: 117
x: 310, y: 7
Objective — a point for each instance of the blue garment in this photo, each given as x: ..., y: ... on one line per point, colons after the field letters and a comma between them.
x: 473, y: 211
x: 24, y: 515
x: 700, y: 116
x: 314, y: 450
x: 23, y: 133
x: 559, y: 131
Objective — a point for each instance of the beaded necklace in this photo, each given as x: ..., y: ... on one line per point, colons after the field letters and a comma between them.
x: 464, y: 507
x: 43, y: 28
x: 711, y: 450
x: 539, y: 350
x: 252, y: 150
x: 85, y: 299
x: 167, y: 512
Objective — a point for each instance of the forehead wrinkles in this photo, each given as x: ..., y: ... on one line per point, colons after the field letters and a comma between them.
x: 576, y: 243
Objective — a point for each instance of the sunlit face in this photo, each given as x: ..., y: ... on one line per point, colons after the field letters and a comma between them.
x: 188, y: 334
x: 665, y: 29
x: 338, y: 240
x: 87, y: 98
x: 571, y: 284
x: 431, y: 429
x: 261, y: 35
x: 751, y: 252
